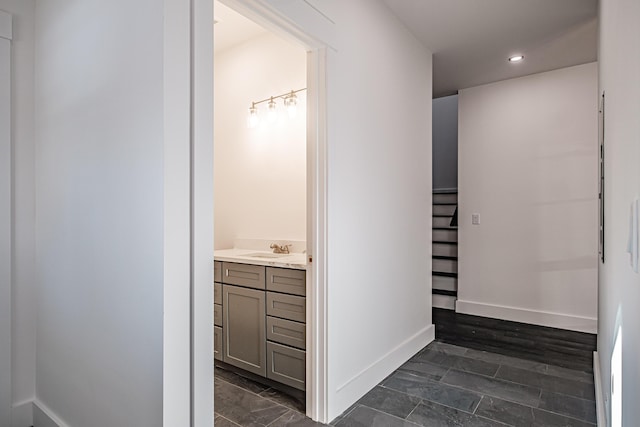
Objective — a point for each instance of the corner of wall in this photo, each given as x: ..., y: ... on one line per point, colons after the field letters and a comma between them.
x: 600, y: 409
x: 22, y: 414
x: 45, y: 417
x: 357, y: 386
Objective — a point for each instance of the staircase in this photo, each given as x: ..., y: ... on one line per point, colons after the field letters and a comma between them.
x: 445, y: 249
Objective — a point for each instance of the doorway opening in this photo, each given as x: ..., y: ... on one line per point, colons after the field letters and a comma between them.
x: 268, y: 169
x: 445, y: 203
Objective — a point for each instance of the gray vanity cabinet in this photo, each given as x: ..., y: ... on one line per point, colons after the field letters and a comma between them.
x: 244, y: 314
x: 259, y: 318
x: 217, y: 311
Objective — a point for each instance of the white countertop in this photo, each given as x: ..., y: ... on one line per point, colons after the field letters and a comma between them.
x: 296, y: 260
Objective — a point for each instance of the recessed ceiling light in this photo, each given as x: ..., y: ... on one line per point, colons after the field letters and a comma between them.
x: 516, y: 58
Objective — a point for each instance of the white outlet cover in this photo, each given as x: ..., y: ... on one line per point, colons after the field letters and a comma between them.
x: 475, y: 219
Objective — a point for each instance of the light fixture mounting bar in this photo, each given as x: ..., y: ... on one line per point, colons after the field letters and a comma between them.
x: 283, y: 96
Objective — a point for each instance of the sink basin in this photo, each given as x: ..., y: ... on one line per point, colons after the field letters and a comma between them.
x: 266, y: 255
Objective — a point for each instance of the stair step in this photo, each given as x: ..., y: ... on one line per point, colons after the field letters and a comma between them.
x: 443, y: 242
x: 442, y: 215
x: 444, y: 283
x: 444, y: 265
x: 447, y: 257
x: 441, y: 221
x: 444, y: 301
x: 447, y: 235
x: 444, y: 292
x: 443, y: 274
x: 444, y: 249
x: 445, y: 197
x: 445, y: 203
x: 444, y: 209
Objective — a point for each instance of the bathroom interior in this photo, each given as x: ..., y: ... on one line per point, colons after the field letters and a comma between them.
x: 260, y: 216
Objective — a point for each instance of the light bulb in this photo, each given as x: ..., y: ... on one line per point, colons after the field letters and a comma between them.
x: 273, y: 111
x: 253, y: 119
x: 516, y: 58
x: 291, y: 102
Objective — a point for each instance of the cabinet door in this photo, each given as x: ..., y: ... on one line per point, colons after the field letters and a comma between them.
x: 217, y: 343
x: 217, y: 293
x: 248, y: 275
x: 217, y: 315
x: 286, y: 365
x: 244, y: 328
x: 286, y: 306
x: 217, y: 271
x: 287, y: 332
x: 287, y: 281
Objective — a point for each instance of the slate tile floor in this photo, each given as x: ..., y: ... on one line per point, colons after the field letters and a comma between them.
x: 442, y: 385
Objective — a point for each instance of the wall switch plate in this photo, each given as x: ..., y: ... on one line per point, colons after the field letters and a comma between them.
x: 475, y: 219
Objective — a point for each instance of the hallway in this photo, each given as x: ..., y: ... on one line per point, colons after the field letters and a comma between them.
x: 442, y: 385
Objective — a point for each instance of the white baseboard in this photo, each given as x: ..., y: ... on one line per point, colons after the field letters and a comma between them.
x: 597, y: 379
x: 45, y: 417
x: 356, y: 387
x: 22, y: 414
x: 523, y: 315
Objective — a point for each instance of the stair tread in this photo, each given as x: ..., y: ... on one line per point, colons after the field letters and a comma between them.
x: 445, y: 242
x: 449, y: 257
x: 444, y: 292
x: 445, y: 203
x: 443, y: 273
x: 443, y: 215
x: 455, y: 227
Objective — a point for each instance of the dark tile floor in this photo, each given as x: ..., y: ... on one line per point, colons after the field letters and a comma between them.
x: 442, y: 385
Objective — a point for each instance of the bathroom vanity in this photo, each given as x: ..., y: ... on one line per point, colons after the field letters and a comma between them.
x: 260, y: 314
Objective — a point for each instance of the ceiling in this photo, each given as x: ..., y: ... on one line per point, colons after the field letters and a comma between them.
x: 231, y: 28
x: 472, y: 39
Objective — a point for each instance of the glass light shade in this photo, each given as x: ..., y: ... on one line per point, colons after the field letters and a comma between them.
x: 252, y: 120
x: 273, y: 111
x: 291, y: 103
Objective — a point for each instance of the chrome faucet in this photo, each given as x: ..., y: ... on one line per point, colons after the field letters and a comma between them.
x: 280, y: 249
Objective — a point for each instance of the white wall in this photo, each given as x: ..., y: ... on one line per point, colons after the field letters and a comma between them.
x: 5, y: 218
x: 23, y: 250
x: 378, y: 195
x: 99, y: 226
x: 260, y: 173
x: 445, y: 143
x: 528, y: 165
x: 619, y: 291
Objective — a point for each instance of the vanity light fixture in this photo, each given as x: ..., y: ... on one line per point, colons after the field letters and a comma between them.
x: 290, y: 101
x: 252, y: 120
x: 273, y: 111
x: 291, y: 104
x: 516, y: 58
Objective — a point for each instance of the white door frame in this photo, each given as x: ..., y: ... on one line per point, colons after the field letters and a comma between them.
x: 262, y: 13
x: 6, y: 215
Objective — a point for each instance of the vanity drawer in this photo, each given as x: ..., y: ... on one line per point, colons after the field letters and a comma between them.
x: 287, y: 332
x: 286, y: 365
x: 217, y: 314
x: 286, y: 306
x: 287, y: 280
x: 251, y: 276
x: 217, y: 343
x: 217, y: 271
x: 217, y: 293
